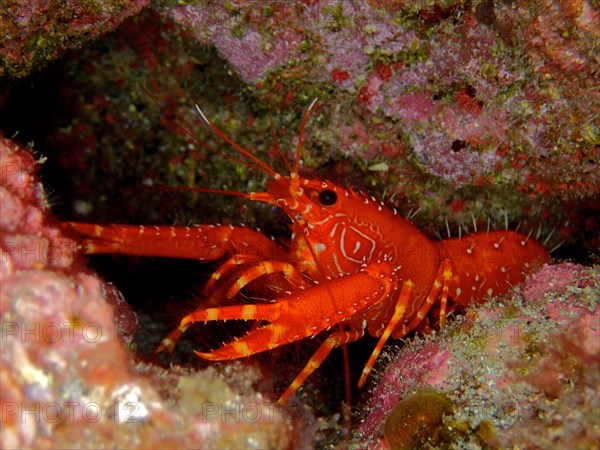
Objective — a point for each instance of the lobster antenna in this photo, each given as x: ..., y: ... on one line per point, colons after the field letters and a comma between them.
x: 198, y: 189
x: 274, y: 135
x: 218, y: 152
x: 301, y: 134
x: 260, y: 164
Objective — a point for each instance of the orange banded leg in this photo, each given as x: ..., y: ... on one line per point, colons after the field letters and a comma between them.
x: 293, y: 275
x: 446, y: 277
x: 300, y: 314
x: 399, y: 312
x: 264, y: 268
x: 441, y: 283
x: 228, y: 266
x: 334, y: 340
x: 168, y: 343
x: 267, y: 311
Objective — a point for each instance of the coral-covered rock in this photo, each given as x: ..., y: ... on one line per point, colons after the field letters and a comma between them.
x: 36, y: 32
x: 523, y: 363
x: 67, y: 377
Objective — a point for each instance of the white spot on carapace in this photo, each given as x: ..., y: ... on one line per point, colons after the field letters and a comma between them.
x: 318, y: 248
x: 490, y: 292
x: 337, y: 263
x: 333, y: 230
x: 458, y: 291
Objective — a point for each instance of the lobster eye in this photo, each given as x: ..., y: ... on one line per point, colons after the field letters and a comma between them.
x: 327, y: 197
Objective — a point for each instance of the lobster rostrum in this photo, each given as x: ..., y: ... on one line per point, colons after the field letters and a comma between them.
x: 353, y: 266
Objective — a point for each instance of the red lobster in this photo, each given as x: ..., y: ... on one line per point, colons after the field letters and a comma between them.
x: 353, y: 265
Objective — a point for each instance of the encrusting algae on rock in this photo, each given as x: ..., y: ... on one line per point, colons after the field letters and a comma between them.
x: 417, y: 421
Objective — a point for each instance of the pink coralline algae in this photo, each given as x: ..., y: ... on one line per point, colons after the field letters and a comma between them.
x: 67, y: 377
x: 255, y: 53
x: 528, y: 363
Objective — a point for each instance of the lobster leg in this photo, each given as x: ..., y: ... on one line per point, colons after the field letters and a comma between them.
x: 346, y: 337
x: 301, y: 314
x: 334, y: 340
x: 263, y: 268
x: 202, y: 242
x: 290, y: 273
x: 399, y: 312
x: 441, y: 283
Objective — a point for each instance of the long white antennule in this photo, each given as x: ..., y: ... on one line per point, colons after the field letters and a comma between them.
x: 301, y: 133
x: 261, y: 165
